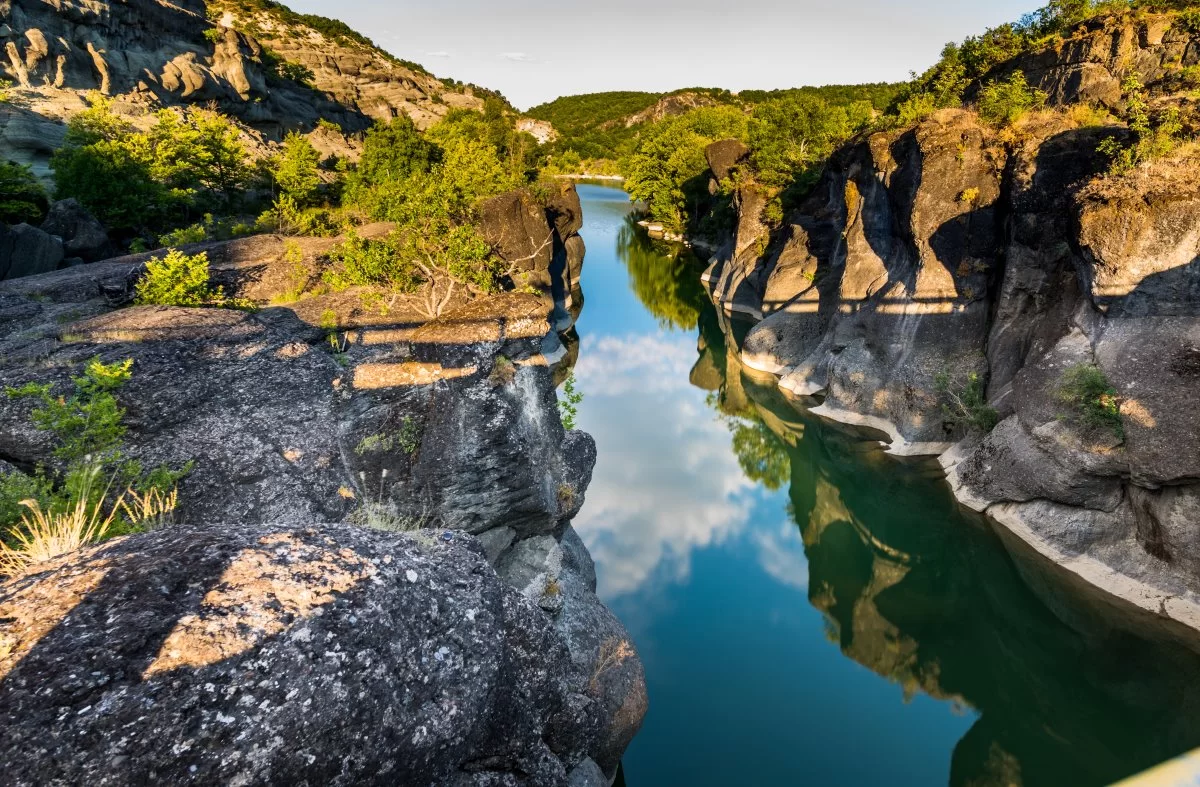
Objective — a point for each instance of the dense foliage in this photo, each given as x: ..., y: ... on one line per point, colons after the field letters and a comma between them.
x: 188, y: 162
x: 599, y: 135
x: 22, y: 198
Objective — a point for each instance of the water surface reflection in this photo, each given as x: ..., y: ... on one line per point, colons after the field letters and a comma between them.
x: 811, y: 611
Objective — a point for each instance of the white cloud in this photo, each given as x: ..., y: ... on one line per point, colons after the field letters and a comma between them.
x: 517, y: 57
x: 616, y: 366
x: 781, y: 555
x: 666, y: 482
x: 438, y: 54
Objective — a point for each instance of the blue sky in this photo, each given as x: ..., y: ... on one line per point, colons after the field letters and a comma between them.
x: 537, y: 50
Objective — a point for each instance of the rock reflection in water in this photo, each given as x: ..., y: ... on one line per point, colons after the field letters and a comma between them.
x: 923, y: 593
x: 971, y: 677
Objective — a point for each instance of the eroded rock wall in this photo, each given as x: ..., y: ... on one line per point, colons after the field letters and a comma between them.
x: 931, y: 257
x: 146, y: 55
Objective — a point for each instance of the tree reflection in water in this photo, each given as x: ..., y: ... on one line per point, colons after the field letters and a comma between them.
x: 1070, y: 689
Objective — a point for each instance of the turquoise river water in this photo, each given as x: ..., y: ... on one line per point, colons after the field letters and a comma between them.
x: 809, y: 610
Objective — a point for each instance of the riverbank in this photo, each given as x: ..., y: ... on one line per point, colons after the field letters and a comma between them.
x: 438, y: 442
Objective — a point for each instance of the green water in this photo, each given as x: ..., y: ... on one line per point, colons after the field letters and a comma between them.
x: 811, y: 611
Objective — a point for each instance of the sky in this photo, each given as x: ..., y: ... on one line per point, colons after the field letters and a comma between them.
x: 533, y: 51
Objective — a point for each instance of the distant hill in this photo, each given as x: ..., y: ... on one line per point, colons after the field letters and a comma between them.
x: 598, y: 129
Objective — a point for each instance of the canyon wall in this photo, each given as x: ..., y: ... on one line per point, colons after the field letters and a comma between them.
x: 952, y: 261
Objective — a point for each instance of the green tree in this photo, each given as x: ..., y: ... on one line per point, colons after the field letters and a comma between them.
x: 296, y: 170
x: 198, y: 150
x: 391, y: 153
x: 670, y: 157
x: 22, y: 198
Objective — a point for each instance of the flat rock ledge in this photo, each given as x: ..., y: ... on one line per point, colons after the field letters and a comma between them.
x: 323, y: 654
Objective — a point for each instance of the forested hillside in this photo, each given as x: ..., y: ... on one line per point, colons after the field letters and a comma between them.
x: 599, y: 131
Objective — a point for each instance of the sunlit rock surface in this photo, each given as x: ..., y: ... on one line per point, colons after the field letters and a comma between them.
x: 266, y: 654
x: 931, y: 256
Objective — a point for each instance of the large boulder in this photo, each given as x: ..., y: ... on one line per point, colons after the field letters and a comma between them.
x: 725, y: 156
x: 252, y: 655
x: 82, y: 234
x: 27, y: 251
x: 515, y: 225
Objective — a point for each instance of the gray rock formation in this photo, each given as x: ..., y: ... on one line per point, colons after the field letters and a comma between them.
x: 930, y: 257
x: 82, y: 235
x: 28, y: 251
x: 267, y: 654
x: 389, y: 420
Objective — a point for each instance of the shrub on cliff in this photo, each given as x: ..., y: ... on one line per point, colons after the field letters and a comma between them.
x: 1093, y: 400
x: 1154, y: 136
x: 181, y: 280
x: 1004, y: 103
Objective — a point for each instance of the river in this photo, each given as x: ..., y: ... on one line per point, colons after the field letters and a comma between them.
x: 810, y: 610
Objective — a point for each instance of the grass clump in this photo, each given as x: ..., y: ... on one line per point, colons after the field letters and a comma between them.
x: 46, y: 534
x: 965, y: 402
x: 1094, y: 401
x: 58, y: 509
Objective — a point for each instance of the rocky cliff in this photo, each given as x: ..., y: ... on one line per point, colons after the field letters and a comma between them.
x: 319, y: 407
x: 272, y: 69
x: 949, y: 260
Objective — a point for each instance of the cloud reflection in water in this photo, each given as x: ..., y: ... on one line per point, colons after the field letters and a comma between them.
x: 666, y: 483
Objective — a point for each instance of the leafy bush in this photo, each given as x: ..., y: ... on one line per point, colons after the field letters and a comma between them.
x: 197, y: 233
x: 1095, y: 402
x: 89, y: 421
x: 568, y: 403
x: 965, y: 402
x: 1004, y: 103
x: 181, y: 280
x: 1153, y: 137
x: 367, y: 262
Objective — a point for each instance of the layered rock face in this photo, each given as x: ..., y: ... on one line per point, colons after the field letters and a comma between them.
x: 935, y: 256
x: 148, y: 54
x: 352, y: 406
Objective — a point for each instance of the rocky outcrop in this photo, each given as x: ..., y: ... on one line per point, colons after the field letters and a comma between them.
x: 538, y: 237
x: 147, y: 55
x: 669, y: 106
x: 82, y: 235
x: 935, y: 261
x: 329, y: 407
x: 27, y: 251
x: 268, y: 654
